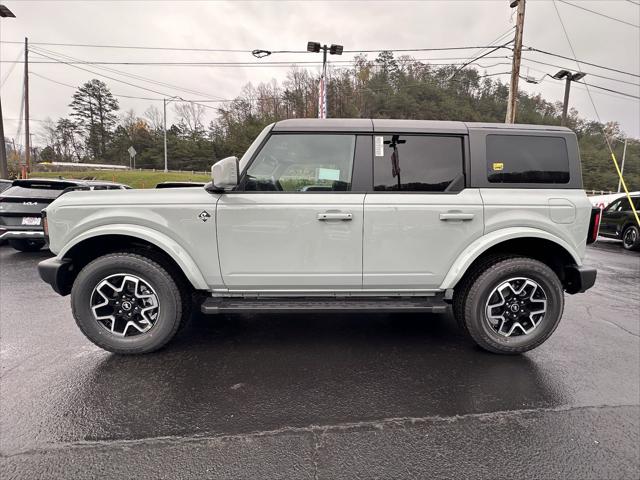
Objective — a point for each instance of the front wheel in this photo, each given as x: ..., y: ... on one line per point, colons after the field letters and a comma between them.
x: 512, y: 305
x: 27, y: 245
x: 631, y: 238
x: 127, y: 303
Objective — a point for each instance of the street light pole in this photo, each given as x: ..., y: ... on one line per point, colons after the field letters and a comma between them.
x: 624, y: 154
x: 569, y: 77
x: 164, y: 110
x: 315, y: 47
x: 164, y: 114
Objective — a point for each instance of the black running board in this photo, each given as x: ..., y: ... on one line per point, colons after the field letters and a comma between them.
x: 319, y: 304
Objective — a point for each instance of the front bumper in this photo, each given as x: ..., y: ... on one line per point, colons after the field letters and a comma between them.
x: 579, y: 279
x: 21, y: 234
x: 57, y: 273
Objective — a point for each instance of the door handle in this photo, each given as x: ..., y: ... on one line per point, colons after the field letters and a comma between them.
x: 445, y: 217
x: 344, y: 216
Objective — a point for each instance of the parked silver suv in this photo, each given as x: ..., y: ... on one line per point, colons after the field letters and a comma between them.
x: 339, y: 215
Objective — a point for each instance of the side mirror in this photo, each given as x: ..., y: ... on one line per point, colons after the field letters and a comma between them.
x: 225, y: 173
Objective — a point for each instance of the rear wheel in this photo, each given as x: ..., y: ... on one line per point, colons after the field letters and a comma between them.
x: 27, y: 245
x: 127, y: 303
x: 631, y: 238
x: 511, y: 305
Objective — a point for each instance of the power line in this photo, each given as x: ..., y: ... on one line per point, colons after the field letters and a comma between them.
x: 232, y: 64
x: 636, y: 84
x: 119, y: 72
x: 610, y: 90
x: 601, y: 14
x: 187, y: 49
x: 156, y: 99
x: 532, y: 49
x: 595, y: 109
x: 126, y: 83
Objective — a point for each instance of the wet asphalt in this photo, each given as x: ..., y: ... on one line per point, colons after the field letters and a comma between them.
x: 322, y: 396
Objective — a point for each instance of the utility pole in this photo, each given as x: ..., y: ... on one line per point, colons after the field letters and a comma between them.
x: 4, y: 169
x: 515, y: 65
x: 624, y: 154
x: 164, y: 110
x: 27, y: 137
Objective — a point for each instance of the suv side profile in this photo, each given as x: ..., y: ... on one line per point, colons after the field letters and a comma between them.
x: 22, y: 202
x: 339, y: 215
x: 619, y: 222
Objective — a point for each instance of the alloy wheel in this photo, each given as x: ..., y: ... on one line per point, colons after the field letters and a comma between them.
x: 516, y: 307
x: 125, y: 305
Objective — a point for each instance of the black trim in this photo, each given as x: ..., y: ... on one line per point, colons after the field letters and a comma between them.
x: 579, y: 279
x: 56, y: 273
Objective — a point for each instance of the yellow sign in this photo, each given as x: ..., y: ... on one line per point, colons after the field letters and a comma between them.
x: 498, y: 166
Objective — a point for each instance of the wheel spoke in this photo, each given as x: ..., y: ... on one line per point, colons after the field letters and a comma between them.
x: 516, y: 307
x: 125, y: 304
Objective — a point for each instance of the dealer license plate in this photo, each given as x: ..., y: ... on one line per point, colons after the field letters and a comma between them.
x: 32, y: 221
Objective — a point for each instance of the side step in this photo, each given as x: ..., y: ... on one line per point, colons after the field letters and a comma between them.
x: 318, y: 304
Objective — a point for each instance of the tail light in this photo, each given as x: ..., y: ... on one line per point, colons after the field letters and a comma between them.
x: 594, y: 225
x: 45, y: 224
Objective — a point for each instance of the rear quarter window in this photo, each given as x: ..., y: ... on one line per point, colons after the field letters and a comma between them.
x: 527, y: 159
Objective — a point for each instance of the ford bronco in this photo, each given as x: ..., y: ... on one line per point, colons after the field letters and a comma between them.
x: 339, y: 215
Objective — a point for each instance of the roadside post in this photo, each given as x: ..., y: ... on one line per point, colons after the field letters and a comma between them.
x: 132, y: 156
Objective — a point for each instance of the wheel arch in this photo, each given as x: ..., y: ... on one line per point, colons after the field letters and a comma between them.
x: 97, y: 242
x: 532, y: 243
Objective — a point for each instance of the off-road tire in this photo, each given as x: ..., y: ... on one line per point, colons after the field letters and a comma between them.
x: 462, y: 289
x: 170, y: 298
x: 484, y: 279
x: 631, y: 231
x: 27, y: 245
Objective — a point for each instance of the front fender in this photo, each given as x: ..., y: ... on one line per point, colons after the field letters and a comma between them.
x: 160, y: 240
x: 482, y: 244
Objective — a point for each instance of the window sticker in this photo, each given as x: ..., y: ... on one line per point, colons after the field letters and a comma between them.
x: 379, y: 146
x: 328, y: 174
x: 498, y: 166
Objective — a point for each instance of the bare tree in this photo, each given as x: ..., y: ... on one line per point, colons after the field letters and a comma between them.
x: 155, y: 118
x: 191, y: 115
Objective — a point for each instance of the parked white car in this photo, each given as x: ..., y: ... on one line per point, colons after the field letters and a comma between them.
x: 349, y: 214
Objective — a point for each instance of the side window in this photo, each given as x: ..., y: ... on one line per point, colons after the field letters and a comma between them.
x: 417, y: 163
x: 527, y: 159
x: 303, y: 163
x: 614, y: 207
x: 625, y: 206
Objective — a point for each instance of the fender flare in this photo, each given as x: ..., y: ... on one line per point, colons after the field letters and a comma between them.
x: 160, y: 240
x: 482, y: 244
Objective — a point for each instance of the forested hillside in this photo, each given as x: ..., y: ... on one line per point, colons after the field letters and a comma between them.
x: 387, y: 87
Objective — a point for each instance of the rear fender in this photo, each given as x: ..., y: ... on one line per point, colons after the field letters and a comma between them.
x: 482, y: 244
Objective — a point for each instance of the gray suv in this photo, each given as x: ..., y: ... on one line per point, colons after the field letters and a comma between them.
x: 339, y: 215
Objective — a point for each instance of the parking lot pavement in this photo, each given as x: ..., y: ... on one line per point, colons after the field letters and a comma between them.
x: 322, y: 396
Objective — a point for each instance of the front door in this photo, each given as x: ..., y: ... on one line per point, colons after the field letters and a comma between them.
x: 420, y: 216
x: 294, y: 224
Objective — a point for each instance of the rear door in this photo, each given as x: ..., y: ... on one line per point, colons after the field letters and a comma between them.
x: 295, y: 223
x: 420, y: 216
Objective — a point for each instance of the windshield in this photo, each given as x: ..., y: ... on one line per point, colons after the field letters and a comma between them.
x: 253, y: 147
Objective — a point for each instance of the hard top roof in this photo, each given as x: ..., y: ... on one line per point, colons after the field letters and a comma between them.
x: 383, y: 125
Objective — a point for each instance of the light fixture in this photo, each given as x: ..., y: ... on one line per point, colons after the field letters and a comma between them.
x: 313, y: 47
x: 336, y: 49
x: 561, y: 74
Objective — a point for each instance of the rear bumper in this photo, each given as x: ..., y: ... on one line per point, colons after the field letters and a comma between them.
x: 579, y: 279
x: 56, y: 273
x: 6, y: 234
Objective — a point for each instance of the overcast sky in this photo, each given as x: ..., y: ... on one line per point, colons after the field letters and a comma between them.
x: 288, y: 26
